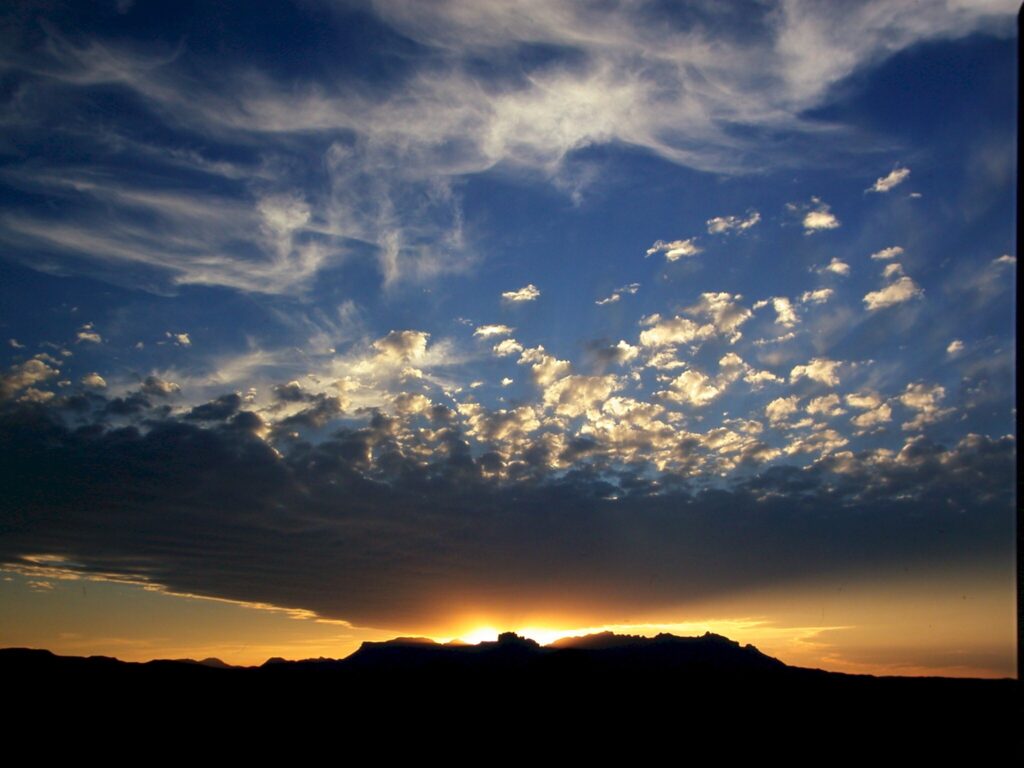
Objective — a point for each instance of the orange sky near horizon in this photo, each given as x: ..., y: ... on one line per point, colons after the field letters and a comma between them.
x: 951, y: 624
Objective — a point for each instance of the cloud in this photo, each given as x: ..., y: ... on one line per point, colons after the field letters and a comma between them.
x: 15, y: 344
x: 819, y: 218
x: 818, y: 369
x: 402, y: 346
x: 220, y: 409
x: 672, y: 331
x: 617, y: 354
x: 1006, y: 259
x: 94, y: 381
x: 24, y: 375
x: 817, y: 296
x: 781, y: 408
x: 526, y: 293
x: 486, y: 331
x: 892, y: 270
x: 820, y: 441
x: 836, y: 267
x: 785, y: 315
x: 724, y: 311
x: 925, y: 400
x: 87, y: 334
x: 885, y: 183
x: 873, y: 417
x: 863, y: 400
x: 725, y: 224
x: 154, y: 385
x: 676, y: 249
x: 507, y: 347
x: 887, y: 253
x: 302, y: 525
x: 956, y: 346
x: 409, y: 403
x: 33, y: 395
x: 827, y: 405
x: 546, y: 368
x: 389, y: 159
x: 577, y: 395
x: 618, y: 293
x: 179, y: 339
x: 691, y: 388
x: 903, y: 289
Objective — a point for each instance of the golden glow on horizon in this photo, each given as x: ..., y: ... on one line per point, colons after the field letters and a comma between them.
x: 943, y: 623
x: 479, y: 635
x: 731, y: 628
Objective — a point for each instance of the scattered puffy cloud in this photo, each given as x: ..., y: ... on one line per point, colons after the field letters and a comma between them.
x: 955, y: 347
x: 546, y: 368
x: 863, y: 400
x: 732, y: 367
x: 817, y: 296
x: 402, y: 346
x: 675, y: 249
x: 507, y: 347
x: 671, y: 331
x: 179, y: 339
x: 873, y: 417
x: 528, y: 292
x: 665, y: 360
x: 618, y: 293
x: 723, y: 224
x: 836, y: 267
x: 724, y: 311
x: 775, y: 339
x: 820, y: 441
x: 507, y: 381
x: 892, y: 270
x: 817, y: 217
x: 157, y: 387
x: 818, y: 369
x: 15, y: 344
x: 94, y: 381
x: 88, y: 334
x: 24, y: 375
x: 576, y: 395
x: 1006, y: 259
x: 785, y: 315
x: 780, y: 409
x: 926, y: 401
x: 410, y: 403
x: 885, y: 183
x: 887, y: 253
x: 486, y: 331
x: 617, y: 354
x: 826, y: 405
x: 903, y: 289
x: 33, y: 395
x: 691, y: 387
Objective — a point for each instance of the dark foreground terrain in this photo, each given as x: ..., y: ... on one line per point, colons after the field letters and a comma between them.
x: 593, y: 696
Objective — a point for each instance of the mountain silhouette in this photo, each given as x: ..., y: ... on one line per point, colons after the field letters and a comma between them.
x: 617, y: 687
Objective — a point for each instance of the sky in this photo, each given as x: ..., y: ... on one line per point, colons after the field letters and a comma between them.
x: 330, y: 321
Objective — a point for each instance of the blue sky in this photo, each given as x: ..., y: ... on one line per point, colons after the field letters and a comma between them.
x: 615, y: 251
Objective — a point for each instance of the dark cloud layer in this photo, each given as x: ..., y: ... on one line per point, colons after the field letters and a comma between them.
x: 358, y: 528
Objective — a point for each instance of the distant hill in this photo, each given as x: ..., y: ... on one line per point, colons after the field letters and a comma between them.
x: 620, y: 687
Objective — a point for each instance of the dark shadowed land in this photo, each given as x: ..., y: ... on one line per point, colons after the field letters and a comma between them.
x: 601, y: 691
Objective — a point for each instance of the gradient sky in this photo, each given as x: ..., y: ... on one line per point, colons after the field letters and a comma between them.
x: 331, y: 321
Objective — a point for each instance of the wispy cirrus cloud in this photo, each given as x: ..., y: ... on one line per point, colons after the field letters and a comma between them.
x: 390, y: 158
